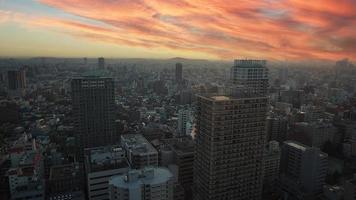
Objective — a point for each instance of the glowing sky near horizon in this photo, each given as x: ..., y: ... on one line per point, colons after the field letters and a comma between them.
x: 210, y: 29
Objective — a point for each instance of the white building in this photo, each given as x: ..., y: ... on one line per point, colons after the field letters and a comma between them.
x: 101, y: 163
x: 145, y: 184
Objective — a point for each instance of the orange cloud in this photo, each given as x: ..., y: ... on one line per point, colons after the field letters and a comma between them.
x: 271, y: 29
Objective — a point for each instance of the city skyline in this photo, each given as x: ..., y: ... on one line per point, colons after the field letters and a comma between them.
x: 268, y: 29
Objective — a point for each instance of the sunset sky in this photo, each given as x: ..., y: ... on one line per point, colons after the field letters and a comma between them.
x: 208, y: 29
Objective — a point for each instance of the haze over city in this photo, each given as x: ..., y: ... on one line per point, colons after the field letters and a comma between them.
x: 177, y: 99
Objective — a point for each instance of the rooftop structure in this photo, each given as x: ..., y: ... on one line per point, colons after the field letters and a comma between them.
x: 105, y: 158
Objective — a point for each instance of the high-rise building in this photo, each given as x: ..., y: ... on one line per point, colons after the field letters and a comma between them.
x: 231, y: 135
x: 303, y: 170
x: 66, y: 181
x: 271, y: 165
x: 229, y: 147
x: 251, y: 74
x: 145, y: 184
x: 101, y: 63
x: 16, y: 79
x: 277, y: 127
x: 179, y: 72
x: 93, y: 109
x: 184, y: 116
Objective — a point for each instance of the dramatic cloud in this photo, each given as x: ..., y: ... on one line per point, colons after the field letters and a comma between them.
x: 272, y: 29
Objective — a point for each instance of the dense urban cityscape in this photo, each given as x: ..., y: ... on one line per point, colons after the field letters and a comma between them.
x: 177, y: 100
x: 177, y: 129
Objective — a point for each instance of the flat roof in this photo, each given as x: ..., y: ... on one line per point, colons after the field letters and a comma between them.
x: 105, y: 158
x: 296, y: 145
x: 65, y: 171
x: 160, y: 175
x: 220, y: 98
x: 137, y: 144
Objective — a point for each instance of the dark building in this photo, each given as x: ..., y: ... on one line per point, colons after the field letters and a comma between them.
x: 303, y: 171
x: 65, y: 180
x: 93, y: 109
x: 179, y: 72
x: 101, y: 63
x: 231, y: 136
x: 16, y: 79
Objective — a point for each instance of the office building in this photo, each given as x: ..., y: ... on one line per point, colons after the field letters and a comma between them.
x: 140, y: 153
x: 303, y: 170
x: 16, y: 82
x: 93, y: 109
x: 101, y: 163
x: 277, y: 127
x: 271, y: 165
x: 101, y: 63
x: 66, y: 181
x: 16, y: 79
x: 145, y: 184
x: 251, y: 74
x: 184, y: 117
x: 229, y: 147
x: 231, y: 135
x: 179, y: 72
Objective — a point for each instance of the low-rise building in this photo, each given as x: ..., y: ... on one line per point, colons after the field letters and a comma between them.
x: 101, y: 163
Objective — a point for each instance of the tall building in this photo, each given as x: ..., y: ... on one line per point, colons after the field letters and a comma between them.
x: 184, y: 116
x: 145, y: 184
x: 66, y: 181
x: 93, y: 109
x: 231, y: 135
x: 303, y: 170
x: 271, y: 165
x: 16, y: 79
x: 179, y: 72
x: 101, y: 63
x: 277, y: 127
x: 140, y: 153
x: 251, y: 74
x: 102, y: 163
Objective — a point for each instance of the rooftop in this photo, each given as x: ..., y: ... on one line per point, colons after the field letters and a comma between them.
x: 147, y: 176
x: 105, y: 158
x: 65, y: 171
x: 250, y: 63
x: 137, y: 144
x: 296, y: 145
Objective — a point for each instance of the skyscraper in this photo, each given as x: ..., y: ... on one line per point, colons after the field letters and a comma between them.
x: 179, y: 72
x: 93, y: 109
x: 16, y: 79
x: 101, y: 63
x: 251, y: 74
x: 230, y: 138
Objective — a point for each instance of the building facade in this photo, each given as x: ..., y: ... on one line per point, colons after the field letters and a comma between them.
x: 303, y: 170
x: 93, y: 108
x: 102, y: 163
x: 140, y: 153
